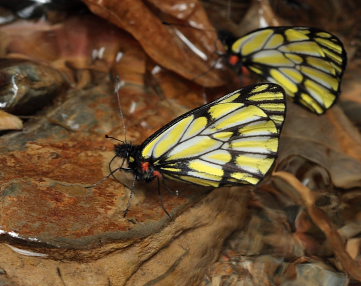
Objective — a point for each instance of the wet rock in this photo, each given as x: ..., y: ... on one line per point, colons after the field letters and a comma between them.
x: 27, y: 86
x: 4, y: 279
x: 48, y: 211
x: 181, y: 251
x: 47, y: 167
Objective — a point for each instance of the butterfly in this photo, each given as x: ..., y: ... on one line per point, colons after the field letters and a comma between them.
x: 307, y: 62
x: 230, y: 141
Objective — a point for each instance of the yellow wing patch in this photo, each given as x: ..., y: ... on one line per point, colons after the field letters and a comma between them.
x: 195, y: 127
x: 219, y: 110
x: 194, y: 146
x: 167, y: 139
x: 201, y: 166
x: 237, y: 117
x: 272, y: 58
x: 252, y: 163
x: 288, y: 84
x: 248, y: 44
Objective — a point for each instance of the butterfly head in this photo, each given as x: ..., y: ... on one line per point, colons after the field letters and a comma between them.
x: 126, y: 151
x: 232, y: 59
x: 227, y: 39
x: 143, y: 170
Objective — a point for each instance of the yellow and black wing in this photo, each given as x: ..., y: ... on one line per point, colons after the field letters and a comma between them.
x: 230, y: 141
x: 307, y: 62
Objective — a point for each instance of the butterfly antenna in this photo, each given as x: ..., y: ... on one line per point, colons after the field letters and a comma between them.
x: 169, y: 190
x: 111, y: 172
x: 161, y: 199
x: 125, y: 213
x: 119, y: 84
x: 111, y: 137
x: 195, y: 28
x: 215, y: 63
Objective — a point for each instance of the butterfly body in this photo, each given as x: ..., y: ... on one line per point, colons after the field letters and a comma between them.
x: 230, y: 141
x: 143, y: 170
x: 307, y: 62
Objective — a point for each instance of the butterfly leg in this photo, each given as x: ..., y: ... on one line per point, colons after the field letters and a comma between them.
x: 111, y: 174
x: 176, y: 192
x: 161, y: 199
x: 214, y: 65
x: 125, y: 213
x: 118, y: 169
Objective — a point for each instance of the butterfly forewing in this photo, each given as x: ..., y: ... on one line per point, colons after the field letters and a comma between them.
x: 233, y: 140
x: 266, y: 97
x: 307, y: 62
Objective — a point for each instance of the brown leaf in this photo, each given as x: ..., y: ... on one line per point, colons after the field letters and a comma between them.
x: 178, y: 9
x: 350, y: 99
x: 259, y: 15
x: 330, y: 141
x: 160, y: 41
x: 242, y: 17
x: 79, y: 47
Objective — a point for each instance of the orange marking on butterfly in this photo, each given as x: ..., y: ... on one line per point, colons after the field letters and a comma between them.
x: 157, y: 174
x: 233, y: 60
x: 145, y: 166
x: 245, y: 71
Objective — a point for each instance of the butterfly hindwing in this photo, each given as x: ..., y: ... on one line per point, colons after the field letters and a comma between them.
x: 307, y: 62
x: 233, y: 140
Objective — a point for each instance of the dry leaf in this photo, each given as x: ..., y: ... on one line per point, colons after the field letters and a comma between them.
x: 350, y: 99
x: 330, y: 141
x: 80, y: 47
x: 164, y: 43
